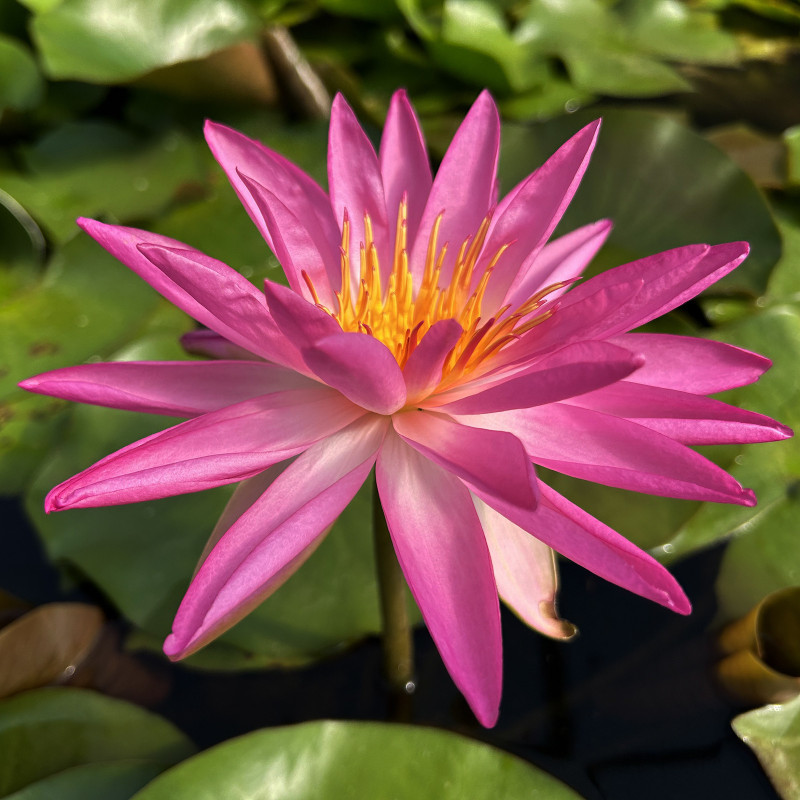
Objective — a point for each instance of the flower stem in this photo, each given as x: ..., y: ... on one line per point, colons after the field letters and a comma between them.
x: 398, y: 652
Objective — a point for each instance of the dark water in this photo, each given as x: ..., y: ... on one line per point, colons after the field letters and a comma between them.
x: 627, y: 710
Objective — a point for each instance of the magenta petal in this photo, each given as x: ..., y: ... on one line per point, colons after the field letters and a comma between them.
x: 176, y: 388
x: 294, y: 246
x: 275, y: 535
x: 211, y: 450
x: 443, y: 554
x: 405, y: 167
x: 423, y: 370
x: 577, y: 368
x: 204, y: 342
x: 534, y: 211
x: 298, y: 192
x: 494, y: 461
x: 463, y: 187
x: 361, y: 368
x: 356, y: 187
x: 615, y: 452
x: 300, y: 321
x: 231, y: 305
x: 700, y: 366
x: 685, y: 417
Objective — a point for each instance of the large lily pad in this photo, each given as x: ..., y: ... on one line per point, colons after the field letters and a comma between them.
x: 20, y: 82
x: 333, y: 760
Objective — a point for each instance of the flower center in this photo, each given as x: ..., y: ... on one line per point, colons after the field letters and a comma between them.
x: 399, y: 316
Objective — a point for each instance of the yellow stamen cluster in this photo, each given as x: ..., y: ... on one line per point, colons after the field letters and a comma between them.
x: 400, y: 318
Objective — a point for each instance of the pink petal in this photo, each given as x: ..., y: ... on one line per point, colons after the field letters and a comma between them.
x: 533, y: 213
x: 301, y: 322
x: 493, y: 461
x: 689, y: 364
x: 361, y: 368
x: 204, y: 342
x: 561, y: 260
x: 574, y: 370
x: 230, y: 305
x: 581, y: 538
x: 275, y: 535
x: 294, y: 246
x: 405, y: 168
x: 615, y: 452
x: 356, y: 187
x: 176, y: 388
x: 443, y: 554
x: 300, y: 193
x: 211, y: 450
x: 463, y: 187
x: 685, y: 417
x: 423, y: 370
x: 525, y: 572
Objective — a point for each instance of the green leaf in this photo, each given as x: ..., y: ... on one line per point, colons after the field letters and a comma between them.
x: 104, y: 41
x: 350, y: 759
x: 773, y: 733
x: 49, y: 730
x: 661, y: 184
x: 792, y: 139
x: 20, y: 82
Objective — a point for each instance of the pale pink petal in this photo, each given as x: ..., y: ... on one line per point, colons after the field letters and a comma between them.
x: 685, y: 417
x: 526, y: 573
x: 443, y: 554
x: 220, y: 447
x: 301, y: 322
x: 463, y: 187
x: 405, y: 167
x: 615, y: 452
x: 575, y: 369
x: 356, y: 187
x: 493, y: 461
x: 300, y: 193
x: 275, y: 535
x: 361, y: 368
x: 561, y: 260
x: 581, y: 538
x: 526, y: 223
x: 700, y: 366
x: 176, y: 388
x: 423, y: 370
x: 204, y: 342
x: 294, y: 246
x: 230, y: 304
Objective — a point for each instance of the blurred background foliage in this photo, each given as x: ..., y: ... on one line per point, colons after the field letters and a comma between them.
x: 101, y: 110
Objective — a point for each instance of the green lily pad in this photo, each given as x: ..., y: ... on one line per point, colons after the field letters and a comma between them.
x: 661, y: 184
x: 20, y: 82
x: 354, y: 759
x: 45, y: 731
x: 773, y: 733
x: 103, y: 41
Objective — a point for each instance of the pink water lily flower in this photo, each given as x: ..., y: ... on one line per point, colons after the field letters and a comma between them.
x: 435, y: 334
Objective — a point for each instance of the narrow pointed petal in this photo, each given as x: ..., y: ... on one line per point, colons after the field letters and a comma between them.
x: 423, y: 370
x: 494, y: 461
x: 294, y: 245
x: 228, y: 303
x: 585, y: 540
x: 405, y: 167
x: 687, y: 418
x: 561, y: 260
x: 526, y: 573
x: 275, y: 535
x: 300, y: 193
x: 688, y: 364
x: 300, y: 321
x: 175, y: 388
x: 204, y: 342
x: 220, y: 447
x: 534, y: 211
x: 442, y: 551
x: 576, y: 369
x: 616, y: 452
x: 361, y: 368
x: 356, y: 187
x: 463, y: 187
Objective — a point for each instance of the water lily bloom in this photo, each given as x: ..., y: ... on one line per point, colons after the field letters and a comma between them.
x: 437, y: 335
